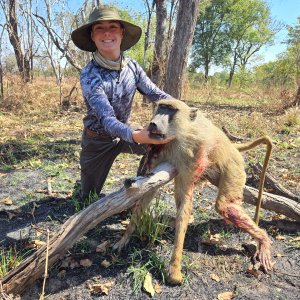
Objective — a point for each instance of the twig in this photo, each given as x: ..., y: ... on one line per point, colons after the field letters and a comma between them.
x: 282, y: 273
x: 49, y: 186
x: 232, y: 137
x: 46, y: 267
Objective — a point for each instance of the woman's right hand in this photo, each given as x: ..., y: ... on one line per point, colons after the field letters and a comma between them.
x: 142, y: 137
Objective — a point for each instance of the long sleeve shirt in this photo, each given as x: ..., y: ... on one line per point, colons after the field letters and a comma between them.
x: 108, y: 95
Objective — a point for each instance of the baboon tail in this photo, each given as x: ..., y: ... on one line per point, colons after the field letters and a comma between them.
x: 250, y: 145
x: 247, y: 146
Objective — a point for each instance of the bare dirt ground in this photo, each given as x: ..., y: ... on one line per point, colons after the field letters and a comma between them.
x: 30, y: 167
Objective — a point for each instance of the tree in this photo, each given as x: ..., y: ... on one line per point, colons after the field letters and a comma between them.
x: 293, y: 52
x: 165, y: 14
x: 278, y: 73
x: 23, y: 62
x: 158, y: 64
x: 183, y: 36
x: 210, y: 42
x: 249, y: 31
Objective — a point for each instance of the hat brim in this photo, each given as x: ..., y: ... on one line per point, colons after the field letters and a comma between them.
x: 81, y: 36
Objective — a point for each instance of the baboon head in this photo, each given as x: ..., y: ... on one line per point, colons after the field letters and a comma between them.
x: 170, y: 116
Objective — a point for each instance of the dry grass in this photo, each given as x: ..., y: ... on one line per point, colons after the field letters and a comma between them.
x: 42, y: 95
x: 34, y: 110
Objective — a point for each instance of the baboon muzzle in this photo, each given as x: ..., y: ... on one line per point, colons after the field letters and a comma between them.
x: 156, y: 130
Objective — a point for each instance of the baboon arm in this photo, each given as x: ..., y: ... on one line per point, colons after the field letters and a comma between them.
x: 237, y: 216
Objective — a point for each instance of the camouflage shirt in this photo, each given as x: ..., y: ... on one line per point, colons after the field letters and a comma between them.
x: 108, y: 95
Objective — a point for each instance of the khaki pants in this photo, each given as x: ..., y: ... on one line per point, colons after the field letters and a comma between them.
x: 96, y: 158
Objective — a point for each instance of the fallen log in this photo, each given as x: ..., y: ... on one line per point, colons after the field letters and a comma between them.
x: 32, y: 267
x: 272, y: 202
x: 274, y: 185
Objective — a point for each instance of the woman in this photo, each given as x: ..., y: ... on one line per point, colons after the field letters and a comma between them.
x: 108, y: 84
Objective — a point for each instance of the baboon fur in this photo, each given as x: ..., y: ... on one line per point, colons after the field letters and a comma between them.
x: 200, y: 151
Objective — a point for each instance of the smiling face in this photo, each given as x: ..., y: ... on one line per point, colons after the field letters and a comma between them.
x: 107, y: 36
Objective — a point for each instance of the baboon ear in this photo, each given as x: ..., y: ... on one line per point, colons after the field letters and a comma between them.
x: 193, y: 113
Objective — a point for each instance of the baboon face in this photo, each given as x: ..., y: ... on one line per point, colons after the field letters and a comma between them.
x: 167, y: 117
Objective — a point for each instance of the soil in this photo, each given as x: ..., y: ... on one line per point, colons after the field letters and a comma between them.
x: 209, y: 269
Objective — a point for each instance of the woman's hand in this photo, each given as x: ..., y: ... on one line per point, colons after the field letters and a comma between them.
x: 142, y: 137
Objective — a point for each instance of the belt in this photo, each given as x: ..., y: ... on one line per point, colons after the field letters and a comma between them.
x: 95, y: 134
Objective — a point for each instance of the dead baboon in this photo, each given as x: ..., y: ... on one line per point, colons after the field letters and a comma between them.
x: 201, y: 151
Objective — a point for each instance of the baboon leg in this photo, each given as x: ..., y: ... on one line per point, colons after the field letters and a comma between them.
x: 137, y: 211
x: 183, y: 197
x: 230, y: 208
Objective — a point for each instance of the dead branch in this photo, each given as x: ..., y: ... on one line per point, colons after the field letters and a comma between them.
x: 276, y: 203
x: 63, y: 49
x: 232, y: 137
x: 32, y: 267
x: 134, y: 189
x: 274, y: 185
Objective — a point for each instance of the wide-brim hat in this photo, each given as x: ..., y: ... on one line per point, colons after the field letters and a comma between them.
x: 82, y: 35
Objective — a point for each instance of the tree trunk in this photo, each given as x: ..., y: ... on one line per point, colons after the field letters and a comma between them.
x: 159, y: 61
x: 178, y: 59
x: 22, y: 62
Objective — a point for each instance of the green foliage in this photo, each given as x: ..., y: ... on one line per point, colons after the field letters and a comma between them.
x: 142, y: 262
x: 9, y: 260
x: 151, y: 226
x: 210, y: 43
x: 280, y: 72
x: 137, y: 51
x: 80, y: 204
x: 230, y: 33
x: 294, y: 46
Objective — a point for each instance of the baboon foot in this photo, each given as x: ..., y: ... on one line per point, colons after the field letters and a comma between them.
x: 175, y: 276
x: 265, y: 257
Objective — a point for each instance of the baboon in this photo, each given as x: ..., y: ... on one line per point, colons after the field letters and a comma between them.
x: 201, y: 151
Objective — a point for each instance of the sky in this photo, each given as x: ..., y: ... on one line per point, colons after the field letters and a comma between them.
x: 285, y: 11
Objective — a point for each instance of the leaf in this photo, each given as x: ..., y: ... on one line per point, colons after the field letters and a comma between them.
x: 39, y: 243
x: 85, y: 262
x: 253, y: 272
x: 34, y: 244
x: 226, y: 296
x: 74, y: 264
x: 101, y: 287
x: 214, y: 239
x: 297, y: 239
x: 62, y: 274
x: 125, y: 222
x: 147, y: 285
x: 102, y: 247
x: 105, y: 263
x: 280, y: 238
x: 279, y: 255
x: 6, y: 201
x: 10, y: 215
x: 157, y: 288
x: 215, y: 277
